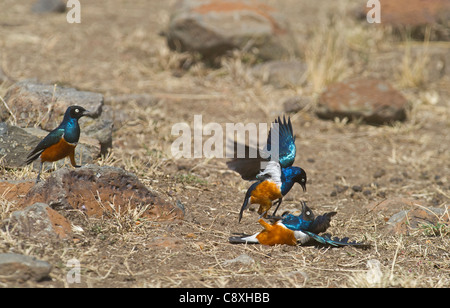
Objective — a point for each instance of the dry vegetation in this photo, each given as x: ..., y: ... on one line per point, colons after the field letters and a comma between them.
x: 117, y: 50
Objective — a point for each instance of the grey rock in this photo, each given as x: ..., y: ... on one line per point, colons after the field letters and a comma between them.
x: 29, y: 101
x: 21, y: 268
x: 16, y: 143
x: 48, y: 6
x: 39, y: 222
x: 213, y: 28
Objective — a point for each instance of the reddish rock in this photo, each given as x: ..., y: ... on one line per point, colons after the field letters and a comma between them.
x: 416, y: 15
x: 96, y: 190
x: 213, y: 27
x: 372, y: 100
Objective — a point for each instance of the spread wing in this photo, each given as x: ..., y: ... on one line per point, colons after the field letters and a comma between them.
x: 52, y: 138
x: 282, y: 131
x: 248, y: 167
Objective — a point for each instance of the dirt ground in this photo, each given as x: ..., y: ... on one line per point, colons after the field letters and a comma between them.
x: 118, y: 50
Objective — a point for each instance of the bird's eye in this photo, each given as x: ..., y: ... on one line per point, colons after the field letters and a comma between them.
x: 77, y: 110
x: 308, y: 213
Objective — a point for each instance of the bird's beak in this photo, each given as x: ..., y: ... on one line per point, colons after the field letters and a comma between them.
x: 303, y: 206
x: 87, y: 113
x: 303, y: 186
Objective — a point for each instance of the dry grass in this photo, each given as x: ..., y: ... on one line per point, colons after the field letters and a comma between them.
x: 121, y: 53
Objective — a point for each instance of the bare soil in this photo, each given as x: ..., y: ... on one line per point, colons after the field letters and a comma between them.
x: 118, y: 50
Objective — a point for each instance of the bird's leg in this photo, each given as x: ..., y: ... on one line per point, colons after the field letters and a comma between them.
x: 72, y: 159
x: 263, y: 214
x: 278, y: 205
x: 39, y: 173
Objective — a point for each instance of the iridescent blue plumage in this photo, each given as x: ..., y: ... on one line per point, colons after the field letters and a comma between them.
x: 291, y: 175
x: 286, y: 142
x: 296, y: 223
x: 71, y: 128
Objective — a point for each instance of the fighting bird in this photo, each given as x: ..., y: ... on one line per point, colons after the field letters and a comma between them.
x: 290, y: 229
x: 278, y: 177
x: 60, y: 142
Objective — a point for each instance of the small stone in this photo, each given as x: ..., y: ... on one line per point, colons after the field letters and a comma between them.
x: 357, y: 188
x: 379, y: 173
x: 367, y: 192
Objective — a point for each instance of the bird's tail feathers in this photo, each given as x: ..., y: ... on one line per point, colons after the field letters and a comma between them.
x: 32, y: 157
x: 246, y: 203
x: 335, y: 241
x: 244, y: 239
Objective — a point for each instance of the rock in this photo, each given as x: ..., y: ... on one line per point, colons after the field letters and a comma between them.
x: 405, y: 221
x: 415, y: 15
x: 48, y: 6
x: 214, y: 27
x: 101, y: 129
x: 40, y: 222
x: 379, y: 173
x: 15, y: 190
x: 29, y: 101
x: 281, y: 74
x: 21, y: 268
x: 16, y: 143
x: 374, y: 101
x: 243, y: 258
x: 296, y: 103
x: 98, y: 190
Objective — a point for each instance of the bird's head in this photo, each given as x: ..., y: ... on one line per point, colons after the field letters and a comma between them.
x: 300, y: 177
x: 77, y: 112
x: 307, y: 213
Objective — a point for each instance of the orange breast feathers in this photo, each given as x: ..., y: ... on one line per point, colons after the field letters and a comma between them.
x: 264, y: 194
x: 59, y: 151
x: 276, y: 234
